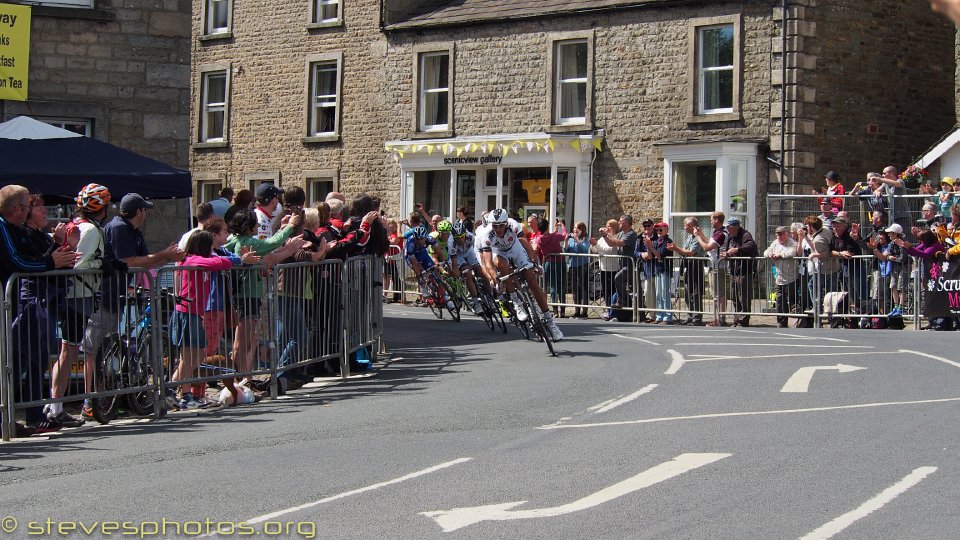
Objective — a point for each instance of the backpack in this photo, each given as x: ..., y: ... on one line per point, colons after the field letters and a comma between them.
x: 880, y: 323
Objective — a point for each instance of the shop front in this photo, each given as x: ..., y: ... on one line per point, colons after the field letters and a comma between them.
x: 549, y: 175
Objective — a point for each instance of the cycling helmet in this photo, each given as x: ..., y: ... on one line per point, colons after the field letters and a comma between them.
x: 419, y: 231
x: 458, y: 229
x: 444, y: 226
x: 93, y: 198
x: 498, y: 216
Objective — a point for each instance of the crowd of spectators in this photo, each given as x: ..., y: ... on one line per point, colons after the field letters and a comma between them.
x: 221, y: 270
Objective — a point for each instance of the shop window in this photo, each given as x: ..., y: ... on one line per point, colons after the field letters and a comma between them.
x: 209, y: 191
x: 60, y: 3
x: 434, y: 100
x: 432, y: 189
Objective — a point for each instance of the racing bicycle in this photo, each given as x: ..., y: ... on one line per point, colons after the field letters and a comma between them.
x: 535, y: 319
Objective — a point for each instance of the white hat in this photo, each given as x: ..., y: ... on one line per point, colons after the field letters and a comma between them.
x: 895, y: 228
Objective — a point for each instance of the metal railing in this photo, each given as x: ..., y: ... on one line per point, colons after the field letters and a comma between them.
x: 141, y: 341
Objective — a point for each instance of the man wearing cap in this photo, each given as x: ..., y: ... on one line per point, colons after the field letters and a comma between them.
x: 739, y: 246
x: 626, y: 240
x: 644, y: 258
x: 125, y: 248
x: 782, y: 252
x: 854, y: 271
x: 895, y: 258
x: 268, y: 199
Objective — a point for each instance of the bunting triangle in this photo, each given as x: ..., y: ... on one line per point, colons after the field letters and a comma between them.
x: 598, y: 144
x: 429, y: 149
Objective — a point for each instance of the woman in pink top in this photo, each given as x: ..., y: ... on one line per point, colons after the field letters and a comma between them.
x: 186, y: 325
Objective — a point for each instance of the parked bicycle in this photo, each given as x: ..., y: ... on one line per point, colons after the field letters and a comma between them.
x: 124, y: 367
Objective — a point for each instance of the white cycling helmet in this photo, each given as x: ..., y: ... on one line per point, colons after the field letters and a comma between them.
x: 498, y: 216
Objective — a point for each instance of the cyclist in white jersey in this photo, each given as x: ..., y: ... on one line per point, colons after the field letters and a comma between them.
x: 501, y: 241
x: 463, y: 259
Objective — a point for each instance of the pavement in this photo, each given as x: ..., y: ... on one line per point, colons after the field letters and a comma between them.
x: 631, y: 431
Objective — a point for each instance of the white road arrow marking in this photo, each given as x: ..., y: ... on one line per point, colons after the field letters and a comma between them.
x: 800, y: 381
x: 451, y: 520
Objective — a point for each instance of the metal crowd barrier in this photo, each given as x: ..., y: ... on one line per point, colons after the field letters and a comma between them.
x: 136, y: 350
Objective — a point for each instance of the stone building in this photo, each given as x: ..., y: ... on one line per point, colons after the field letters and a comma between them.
x: 119, y: 71
x: 577, y: 109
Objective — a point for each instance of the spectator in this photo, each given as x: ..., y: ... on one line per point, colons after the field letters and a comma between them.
x: 834, y: 190
x: 242, y: 200
x: 268, y: 200
x: 125, y: 248
x: 827, y: 214
x: 882, y: 249
x: 782, y: 252
x: 579, y: 242
x: 335, y: 196
x: 186, y: 324
x: 392, y: 266
x: 435, y: 220
x: 945, y: 198
x: 739, y: 247
x: 822, y: 267
x: 222, y: 204
x: 927, y: 250
x: 894, y: 188
x: 323, y: 231
x: 645, y: 259
x: 204, y: 213
x: 692, y: 268
x: 712, y: 246
x: 624, y: 238
x: 662, y: 272
x: 548, y: 248
x: 19, y: 254
x: 899, y: 270
x: 533, y: 231
x: 248, y: 295
x: 81, y: 297
x: 853, y: 268
x: 465, y: 219
x: 929, y: 220
x: 609, y: 262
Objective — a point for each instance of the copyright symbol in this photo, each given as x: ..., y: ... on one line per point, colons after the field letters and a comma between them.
x: 8, y: 524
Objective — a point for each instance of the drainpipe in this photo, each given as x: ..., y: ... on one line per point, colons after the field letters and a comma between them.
x: 783, y: 94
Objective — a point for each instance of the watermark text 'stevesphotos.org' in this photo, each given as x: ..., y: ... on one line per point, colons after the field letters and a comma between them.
x: 163, y: 528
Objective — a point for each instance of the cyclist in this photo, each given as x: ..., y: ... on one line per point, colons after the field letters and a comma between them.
x: 439, y: 252
x: 419, y: 260
x: 463, y: 259
x: 501, y: 242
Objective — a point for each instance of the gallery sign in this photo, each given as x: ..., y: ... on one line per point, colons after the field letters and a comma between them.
x: 14, y: 51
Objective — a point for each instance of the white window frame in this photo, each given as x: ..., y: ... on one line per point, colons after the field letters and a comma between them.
x: 62, y: 122
x: 81, y: 4
x: 317, y: 8
x: 728, y: 156
x: 703, y: 71
x: 202, y: 185
x: 320, y: 103
x: 424, y: 91
x: 206, y: 107
x: 330, y: 101
x: 559, y: 83
x: 313, y: 177
x: 207, y: 20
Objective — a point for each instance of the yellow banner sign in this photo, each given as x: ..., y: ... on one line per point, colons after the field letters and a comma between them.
x: 14, y: 51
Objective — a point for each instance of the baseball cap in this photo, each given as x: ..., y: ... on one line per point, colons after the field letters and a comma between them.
x: 647, y: 222
x: 895, y: 228
x: 732, y: 221
x: 839, y: 220
x: 131, y: 202
x: 268, y: 191
x: 783, y: 228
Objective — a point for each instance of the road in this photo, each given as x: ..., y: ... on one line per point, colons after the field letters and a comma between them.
x: 632, y: 431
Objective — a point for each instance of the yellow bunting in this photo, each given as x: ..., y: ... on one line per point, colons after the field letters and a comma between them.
x: 460, y: 150
x: 415, y: 148
x: 429, y: 149
x: 447, y: 148
x: 575, y: 144
x: 598, y: 144
x: 551, y: 144
x: 530, y: 146
x: 399, y: 153
x: 490, y: 146
x: 505, y: 150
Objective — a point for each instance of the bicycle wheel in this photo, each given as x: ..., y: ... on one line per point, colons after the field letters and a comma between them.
x: 435, y: 301
x: 537, y: 322
x: 140, y: 373
x: 486, y: 311
x: 454, y: 311
x: 106, y: 377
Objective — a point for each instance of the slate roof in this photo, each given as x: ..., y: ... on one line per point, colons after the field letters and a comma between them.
x: 453, y: 12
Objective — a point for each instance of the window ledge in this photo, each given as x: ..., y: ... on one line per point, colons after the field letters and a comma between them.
x: 326, y: 24
x: 569, y: 128
x: 707, y: 118
x: 445, y: 134
x: 333, y: 137
x: 217, y: 144
x: 218, y: 36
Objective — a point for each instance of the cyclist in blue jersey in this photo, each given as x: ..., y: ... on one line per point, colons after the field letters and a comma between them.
x: 418, y: 258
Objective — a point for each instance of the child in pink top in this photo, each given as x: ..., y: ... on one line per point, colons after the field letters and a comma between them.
x: 186, y: 325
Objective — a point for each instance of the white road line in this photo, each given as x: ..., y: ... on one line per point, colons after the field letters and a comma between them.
x: 938, y: 358
x: 403, y: 478
x: 676, y: 362
x: 636, y: 339
x: 742, y: 338
x: 706, y: 358
x: 689, y: 344
x: 599, y: 405
x: 749, y: 413
x: 832, y: 528
x: 627, y: 399
x: 457, y: 518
